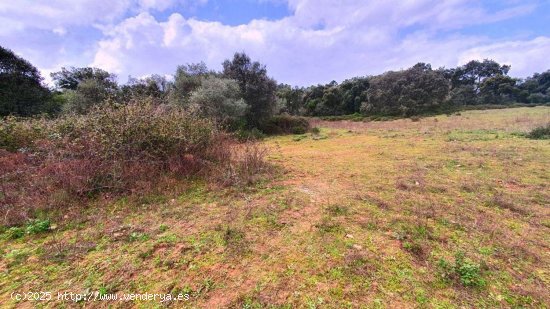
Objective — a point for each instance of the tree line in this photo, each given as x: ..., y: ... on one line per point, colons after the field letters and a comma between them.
x: 417, y: 90
x: 243, y: 94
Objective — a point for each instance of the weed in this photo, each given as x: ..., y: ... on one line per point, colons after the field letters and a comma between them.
x: 542, y: 132
x: 337, y: 210
x: 15, y: 232
x: 464, y: 270
x: 17, y: 256
x: 37, y: 226
x: 136, y: 236
x: 234, y: 240
x: 328, y: 226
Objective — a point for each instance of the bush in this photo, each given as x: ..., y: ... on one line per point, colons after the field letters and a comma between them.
x: 285, y: 124
x: 38, y: 226
x: 16, y: 134
x: 112, y: 149
x: 238, y: 164
x: 542, y: 132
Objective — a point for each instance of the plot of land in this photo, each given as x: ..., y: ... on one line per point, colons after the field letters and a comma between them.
x: 444, y: 212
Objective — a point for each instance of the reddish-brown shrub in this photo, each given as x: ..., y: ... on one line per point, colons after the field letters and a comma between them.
x: 117, y: 149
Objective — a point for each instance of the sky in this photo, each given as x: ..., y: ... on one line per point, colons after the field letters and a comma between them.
x: 302, y: 42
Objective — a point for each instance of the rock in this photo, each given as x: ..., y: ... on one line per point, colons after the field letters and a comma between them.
x: 349, y: 236
x: 357, y: 247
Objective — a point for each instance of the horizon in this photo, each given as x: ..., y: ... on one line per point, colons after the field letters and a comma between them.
x: 301, y: 42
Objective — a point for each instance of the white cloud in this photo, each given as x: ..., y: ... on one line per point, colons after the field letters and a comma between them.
x: 59, y: 14
x: 526, y: 57
x: 321, y: 40
x: 29, y: 14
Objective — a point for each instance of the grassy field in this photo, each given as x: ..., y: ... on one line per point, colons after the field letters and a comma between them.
x: 444, y: 212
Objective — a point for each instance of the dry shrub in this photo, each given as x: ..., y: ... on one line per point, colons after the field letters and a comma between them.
x: 238, y: 163
x: 116, y: 149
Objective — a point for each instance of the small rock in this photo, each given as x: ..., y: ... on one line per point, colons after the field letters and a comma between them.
x: 358, y: 247
x: 349, y: 236
x: 116, y: 235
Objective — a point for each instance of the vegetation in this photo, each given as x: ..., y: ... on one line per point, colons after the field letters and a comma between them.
x: 419, y: 90
x: 114, y: 149
x: 21, y: 90
x: 162, y: 186
x: 285, y: 124
x: 542, y: 132
x: 462, y: 224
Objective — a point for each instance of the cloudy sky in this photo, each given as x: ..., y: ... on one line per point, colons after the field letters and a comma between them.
x: 302, y: 42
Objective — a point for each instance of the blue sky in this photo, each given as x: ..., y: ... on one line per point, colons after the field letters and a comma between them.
x: 302, y: 42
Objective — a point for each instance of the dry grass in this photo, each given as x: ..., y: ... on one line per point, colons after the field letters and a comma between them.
x: 507, y: 120
x: 355, y: 219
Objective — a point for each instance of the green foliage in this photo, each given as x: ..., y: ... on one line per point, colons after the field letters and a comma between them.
x: 155, y: 87
x: 291, y: 99
x: 15, y: 232
x: 249, y: 135
x: 542, y: 132
x: 404, y: 93
x: 464, y: 270
x: 37, y: 226
x: 113, y: 148
x: 257, y: 88
x: 498, y: 89
x: 535, y: 89
x: 21, y: 89
x: 335, y: 99
x: 71, y: 78
x: 16, y: 134
x: 285, y: 124
x: 218, y: 98
x: 84, y: 88
x: 186, y: 80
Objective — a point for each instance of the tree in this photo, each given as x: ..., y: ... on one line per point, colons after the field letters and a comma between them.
x: 85, y: 87
x: 218, y: 98
x: 187, y: 79
x: 466, y: 80
x: 21, y: 89
x: 69, y: 79
x: 405, y: 93
x: 331, y: 101
x: 154, y: 86
x: 498, y: 89
x: 312, y: 98
x: 291, y: 98
x: 354, y: 94
x: 257, y: 88
x: 536, y: 89
x: 90, y: 92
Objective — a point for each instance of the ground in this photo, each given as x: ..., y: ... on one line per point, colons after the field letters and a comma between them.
x: 444, y: 212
